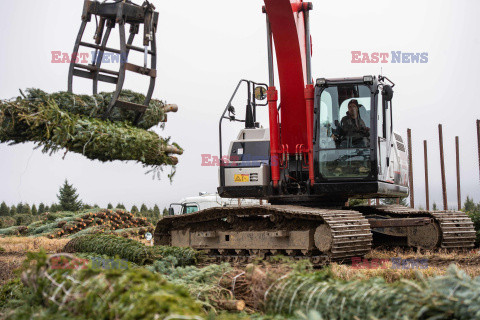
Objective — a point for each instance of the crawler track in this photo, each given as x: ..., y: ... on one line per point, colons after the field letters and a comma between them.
x: 240, y: 234
x: 455, y: 227
x: 326, y: 235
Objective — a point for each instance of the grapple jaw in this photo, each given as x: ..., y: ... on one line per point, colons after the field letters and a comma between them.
x: 107, y: 16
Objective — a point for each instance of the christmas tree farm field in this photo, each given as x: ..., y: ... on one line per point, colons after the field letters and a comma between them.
x: 89, y: 273
x: 69, y: 224
x: 47, y: 289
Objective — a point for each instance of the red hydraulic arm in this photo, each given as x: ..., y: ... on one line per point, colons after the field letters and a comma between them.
x: 291, y: 36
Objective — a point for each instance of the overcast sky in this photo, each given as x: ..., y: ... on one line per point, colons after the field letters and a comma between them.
x: 205, y: 47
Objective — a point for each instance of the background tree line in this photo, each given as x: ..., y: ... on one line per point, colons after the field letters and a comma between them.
x: 68, y: 200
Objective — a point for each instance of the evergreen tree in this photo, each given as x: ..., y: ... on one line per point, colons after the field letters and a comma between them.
x: 20, y: 208
x: 120, y: 206
x: 134, y: 209
x: 165, y: 211
x: 47, y: 209
x: 4, y: 210
x: 109, y: 206
x: 156, y: 212
x: 149, y: 213
x: 470, y: 206
x: 87, y: 207
x: 55, y: 208
x: 96, y: 206
x: 144, y: 209
x: 34, y: 210
x: 41, y: 208
x: 434, y: 207
x: 26, y: 209
x: 68, y: 198
x: 13, y: 210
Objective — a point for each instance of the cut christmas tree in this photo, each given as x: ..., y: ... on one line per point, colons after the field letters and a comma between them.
x: 73, y: 122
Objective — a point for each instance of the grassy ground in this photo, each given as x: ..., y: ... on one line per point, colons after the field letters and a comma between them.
x: 14, y: 250
x: 211, y: 284
x: 24, y: 244
x: 9, y: 262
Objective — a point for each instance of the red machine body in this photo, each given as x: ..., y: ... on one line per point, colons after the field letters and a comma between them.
x: 294, y: 136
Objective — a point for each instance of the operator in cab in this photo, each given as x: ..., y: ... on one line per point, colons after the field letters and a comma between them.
x: 352, y: 131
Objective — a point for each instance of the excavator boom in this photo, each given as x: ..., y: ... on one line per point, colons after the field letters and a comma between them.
x: 287, y: 25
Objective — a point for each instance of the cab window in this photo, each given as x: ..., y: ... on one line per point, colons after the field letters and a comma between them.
x: 344, y: 133
x: 191, y: 208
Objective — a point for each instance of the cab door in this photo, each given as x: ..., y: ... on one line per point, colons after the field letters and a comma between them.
x: 384, y: 129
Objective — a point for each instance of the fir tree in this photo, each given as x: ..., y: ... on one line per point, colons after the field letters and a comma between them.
x: 470, y: 206
x: 4, y: 210
x: 120, y: 206
x: 156, y: 212
x: 26, y: 209
x: 47, y: 209
x: 34, y: 210
x: 134, y: 209
x: 41, y: 208
x: 68, y: 198
x: 144, y: 209
x: 434, y: 207
x: 165, y: 211
x: 19, y: 219
x: 109, y: 206
x: 20, y: 208
x: 13, y: 210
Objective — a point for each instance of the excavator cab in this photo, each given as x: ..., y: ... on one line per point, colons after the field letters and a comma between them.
x: 343, y: 138
x: 358, y: 150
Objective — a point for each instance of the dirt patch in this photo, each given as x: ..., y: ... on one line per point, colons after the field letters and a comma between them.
x: 24, y: 244
x: 438, y: 258
x: 9, y: 262
x: 15, y: 249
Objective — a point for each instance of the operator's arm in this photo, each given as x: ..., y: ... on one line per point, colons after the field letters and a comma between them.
x: 364, y: 129
x: 339, y: 131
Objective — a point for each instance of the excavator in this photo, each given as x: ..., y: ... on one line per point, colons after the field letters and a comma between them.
x: 328, y: 140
